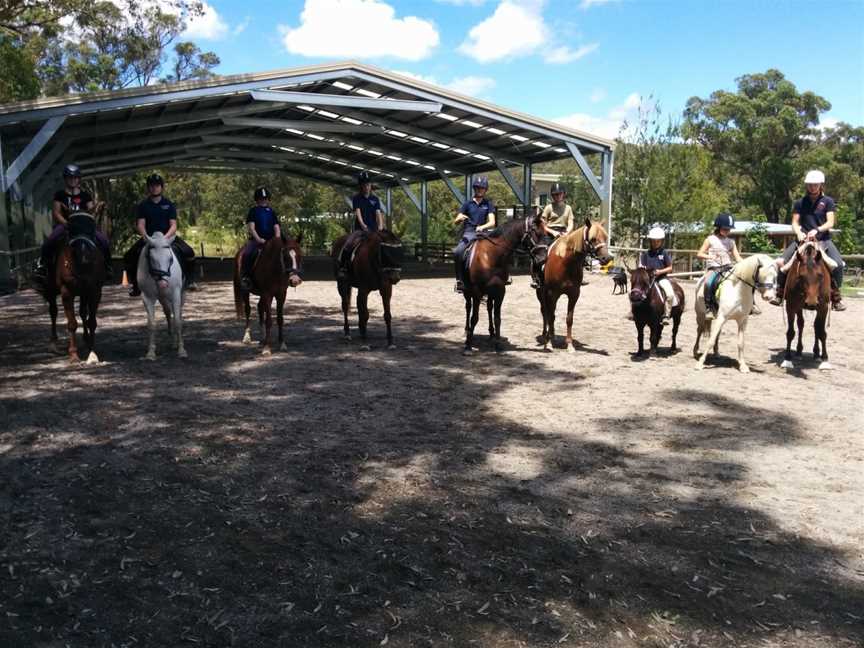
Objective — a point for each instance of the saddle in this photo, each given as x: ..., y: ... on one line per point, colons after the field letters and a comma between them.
x: 712, y: 283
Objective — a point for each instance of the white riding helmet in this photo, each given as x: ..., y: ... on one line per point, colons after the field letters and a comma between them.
x: 657, y: 234
x: 814, y: 177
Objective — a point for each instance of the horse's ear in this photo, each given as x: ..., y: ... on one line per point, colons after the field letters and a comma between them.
x: 588, y: 222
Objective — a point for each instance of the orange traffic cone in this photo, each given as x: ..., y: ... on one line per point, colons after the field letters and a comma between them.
x: 125, y: 280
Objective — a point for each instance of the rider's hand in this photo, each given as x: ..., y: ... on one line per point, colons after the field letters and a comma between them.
x: 460, y: 218
x: 811, y: 235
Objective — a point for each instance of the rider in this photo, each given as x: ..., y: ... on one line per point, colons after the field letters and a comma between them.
x: 812, y: 219
x: 556, y: 220
x: 719, y: 253
x: 158, y: 214
x: 478, y: 214
x: 66, y: 202
x: 263, y: 224
x: 659, y: 260
x: 368, y: 217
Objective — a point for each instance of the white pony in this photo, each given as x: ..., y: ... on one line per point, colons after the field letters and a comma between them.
x: 735, y: 301
x: 160, y: 278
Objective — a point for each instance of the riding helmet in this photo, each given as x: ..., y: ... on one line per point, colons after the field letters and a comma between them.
x: 262, y: 193
x: 155, y: 179
x: 481, y: 181
x: 557, y: 187
x: 814, y: 177
x: 724, y: 221
x: 72, y: 171
x: 363, y: 178
x: 657, y: 234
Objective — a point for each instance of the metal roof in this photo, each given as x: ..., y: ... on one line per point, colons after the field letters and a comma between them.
x: 322, y: 122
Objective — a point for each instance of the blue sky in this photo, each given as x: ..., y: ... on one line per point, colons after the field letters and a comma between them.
x: 582, y: 62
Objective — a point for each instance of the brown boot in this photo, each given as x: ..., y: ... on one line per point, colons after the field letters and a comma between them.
x: 836, y: 300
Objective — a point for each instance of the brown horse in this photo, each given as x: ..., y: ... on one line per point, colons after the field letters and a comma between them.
x: 808, y: 286
x: 488, y: 271
x: 79, y: 271
x: 647, y: 305
x: 278, y: 266
x: 565, y: 265
x: 375, y: 265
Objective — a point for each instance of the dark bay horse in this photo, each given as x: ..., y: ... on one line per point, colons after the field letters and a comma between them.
x: 375, y: 265
x: 808, y: 286
x: 488, y: 270
x: 565, y: 265
x: 647, y: 305
x: 78, y: 272
x: 279, y: 265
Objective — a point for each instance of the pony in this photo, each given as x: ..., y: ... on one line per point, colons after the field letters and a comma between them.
x: 160, y: 278
x: 79, y: 271
x: 489, y: 260
x: 562, y: 275
x: 808, y: 286
x: 648, y: 305
x: 279, y: 265
x: 375, y: 265
x: 735, y: 302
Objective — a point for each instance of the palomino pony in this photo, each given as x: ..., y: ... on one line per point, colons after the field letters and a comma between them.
x: 160, y: 279
x: 488, y: 270
x: 79, y: 271
x: 375, y: 265
x: 808, y: 286
x: 735, y: 302
x: 648, y: 306
x: 565, y: 264
x: 278, y: 266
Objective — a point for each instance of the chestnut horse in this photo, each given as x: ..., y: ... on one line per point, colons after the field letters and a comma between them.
x: 648, y: 305
x: 375, y: 265
x: 562, y: 275
x: 488, y: 271
x: 808, y: 286
x: 278, y: 266
x: 78, y: 272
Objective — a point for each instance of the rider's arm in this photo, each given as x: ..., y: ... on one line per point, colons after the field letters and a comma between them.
x: 141, y: 226
x: 703, y: 251
x: 58, y: 209
x: 664, y: 271
x: 490, y: 221
x: 796, y: 226
x: 571, y: 224
x: 735, y: 254
x: 172, y: 229
x: 277, y: 231
x: 253, y: 233
x: 379, y: 218
x: 358, y: 217
x: 830, y: 219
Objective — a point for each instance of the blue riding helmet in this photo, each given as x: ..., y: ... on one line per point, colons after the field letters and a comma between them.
x: 363, y: 178
x: 724, y: 221
x: 262, y: 193
x: 72, y: 171
x: 481, y: 181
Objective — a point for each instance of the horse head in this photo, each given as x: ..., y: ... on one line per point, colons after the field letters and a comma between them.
x: 390, y: 255
x: 812, y: 273
x: 641, y: 280
x: 161, y: 257
x: 765, y: 277
x: 596, y: 241
x: 292, y: 259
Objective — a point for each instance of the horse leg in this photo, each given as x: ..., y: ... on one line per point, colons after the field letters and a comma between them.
x: 490, y: 305
x: 92, y: 307
x: 551, y: 305
x: 52, y: 310
x: 742, y: 326
x: 363, y: 316
x: 247, y: 309
x: 386, y: 294
x: 499, y: 302
x: 467, y: 314
x: 716, y: 327
x: 472, y: 304
x: 71, y: 325
x: 656, y: 329
x: 676, y: 322
x: 261, y: 317
x: 345, y: 293
x: 150, y: 307
x: 698, y: 337
x: 571, y: 306
x: 790, y: 335
x: 177, y: 317
x: 266, y: 304
x: 799, y: 348
x: 541, y: 299
x: 280, y: 318
x: 640, y: 338
x: 822, y: 335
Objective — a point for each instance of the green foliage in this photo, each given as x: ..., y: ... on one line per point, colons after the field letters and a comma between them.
x: 757, y: 238
x: 850, y: 238
x: 18, y: 78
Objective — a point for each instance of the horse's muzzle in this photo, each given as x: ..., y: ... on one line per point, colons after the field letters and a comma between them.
x: 294, y: 280
x: 638, y: 296
x: 395, y: 276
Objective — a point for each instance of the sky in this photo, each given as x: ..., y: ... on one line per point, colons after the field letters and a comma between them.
x: 583, y: 63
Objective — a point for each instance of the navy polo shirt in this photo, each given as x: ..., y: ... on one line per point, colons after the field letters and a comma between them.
x: 368, y: 206
x: 655, y: 259
x: 812, y: 214
x: 157, y: 215
x: 477, y: 213
x: 265, y: 220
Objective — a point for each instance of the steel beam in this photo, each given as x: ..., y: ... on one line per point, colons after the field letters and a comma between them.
x: 32, y: 150
x: 50, y: 158
x: 526, y: 183
x: 586, y: 170
x: 411, y: 195
x: 511, y: 181
x: 272, y: 141
x: 351, y: 101
x: 460, y: 198
x: 424, y: 217
x: 305, y: 126
x: 607, y: 164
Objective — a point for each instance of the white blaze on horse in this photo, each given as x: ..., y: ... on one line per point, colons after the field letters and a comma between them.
x: 160, y: 278
x: 735, y: 302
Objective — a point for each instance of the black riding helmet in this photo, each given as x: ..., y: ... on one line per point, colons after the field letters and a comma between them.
x: 724, y: 221
x: 262, y: 193
x: 363, y: 178
x: 155, y: 179
x: 71, y: 171
x: 480, y: 181
x: 557, y: 187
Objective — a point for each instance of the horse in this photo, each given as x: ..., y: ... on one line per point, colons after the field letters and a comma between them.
x: 160, y: 278
x: 735, y: 302
x: 808, y: 286
x: 648, y: 306
x: 79, y: 271
x: 375, y: 265
x: 562, y: 275
x: 279, y: 265
x: 489, y: 261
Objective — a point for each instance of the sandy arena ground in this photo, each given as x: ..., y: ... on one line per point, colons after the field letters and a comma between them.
x: 326, y: 496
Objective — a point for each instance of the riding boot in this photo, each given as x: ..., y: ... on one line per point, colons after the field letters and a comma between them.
x: 134, y: 290
x: 778, y: 292
x: 836, y: 299
x: 189, y: 279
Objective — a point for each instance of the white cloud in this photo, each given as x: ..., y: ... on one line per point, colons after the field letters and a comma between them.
x: 241, y: 26
x: 462, y: 3
x: 518, y: 29
x: 467, y: 85
x: 608, y: 125
x: 358, y: 28
x: 598, y: 95
x: 208, y: 26
x: 587, y: 4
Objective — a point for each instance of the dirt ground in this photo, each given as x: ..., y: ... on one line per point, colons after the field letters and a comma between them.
x: 325, y: 496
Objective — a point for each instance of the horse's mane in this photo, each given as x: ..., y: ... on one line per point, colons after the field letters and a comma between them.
x: 574, y: 242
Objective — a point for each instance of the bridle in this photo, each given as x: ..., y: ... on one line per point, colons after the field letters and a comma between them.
x: 157, y: 273
x: 762, y: 286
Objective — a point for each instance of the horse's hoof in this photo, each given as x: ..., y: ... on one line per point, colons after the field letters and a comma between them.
x: 467, y: 352
x: 787, y: 364
x: 283, y: 347
x: 571, y: 348
x: 346, y: 338
x: 266, y: 351
x: 825, y: 366
x: 391, y: 347
x: 744, y: 369
x: 181, y: 353
x: 92, y: 358
x: 150, y: 356
x: 700, y: 366
x: 247, y: 339
x: 365, y: 347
